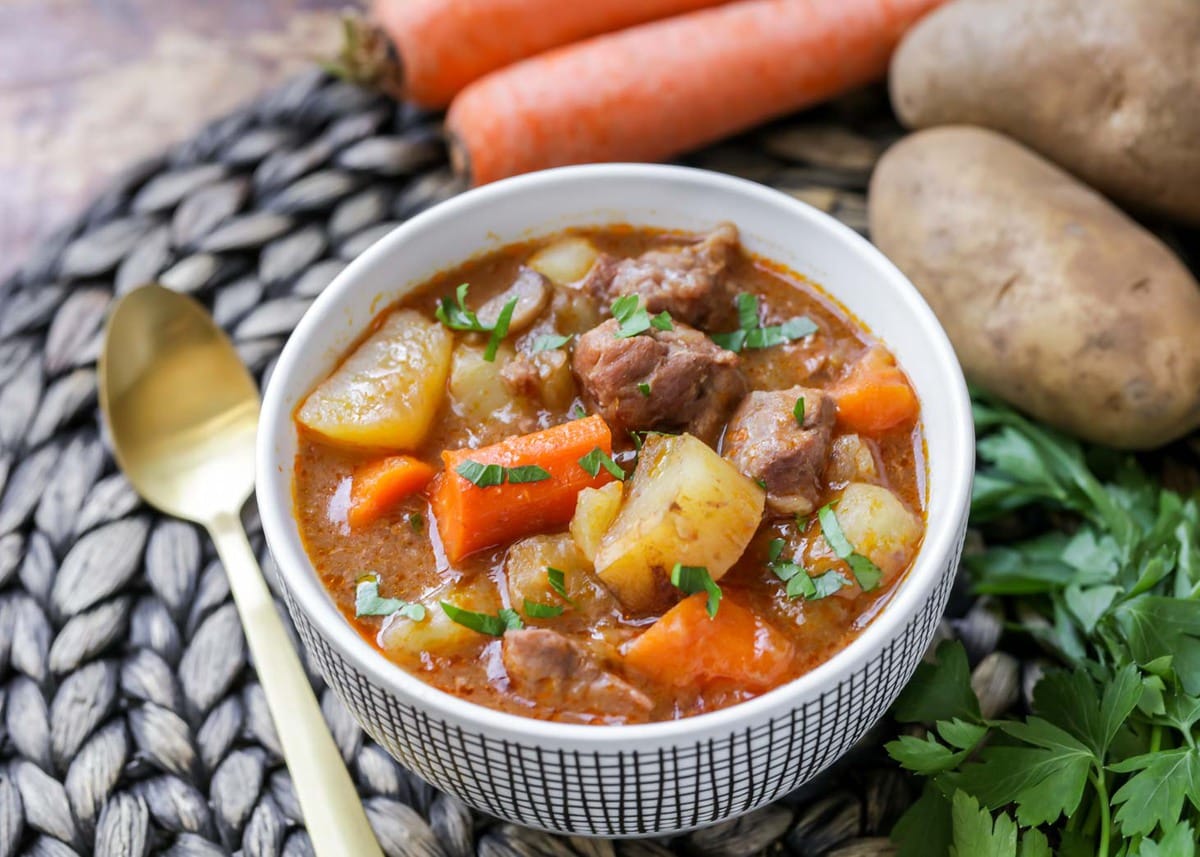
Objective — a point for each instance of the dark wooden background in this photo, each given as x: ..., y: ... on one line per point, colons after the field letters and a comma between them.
x: 88, y: 87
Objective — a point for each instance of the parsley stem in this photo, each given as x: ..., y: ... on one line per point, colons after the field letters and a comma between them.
x: 1105, y: 814
x: 1156, y: 734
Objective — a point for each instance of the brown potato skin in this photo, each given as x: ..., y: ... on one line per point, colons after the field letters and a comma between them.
x: 1055, y: 300
x: 1107, y: 89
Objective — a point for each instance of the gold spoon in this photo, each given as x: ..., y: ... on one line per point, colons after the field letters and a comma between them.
x: 182, y: 412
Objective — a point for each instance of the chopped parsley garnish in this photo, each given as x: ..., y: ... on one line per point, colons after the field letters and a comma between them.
x: 368, y: 601
x: 866, y: 572
x: 753, y: 335
x: 828, y: 583
x: 578, y: 411
x: 798, y: 411
x: 542, y: 611
x: 594, y: 460
x: 695, y: 578
x: 800, y: 585
x: 798, y: 582
x: 644, y: 389
x: 481, y: 475
x: 550, y: 342
x: 490, y: 475
x: 558, y: 581
x: 417, y: 521
x: 527, y: 473
x: 633, y: 318
x: 455, y: 315
x: 485, y: 623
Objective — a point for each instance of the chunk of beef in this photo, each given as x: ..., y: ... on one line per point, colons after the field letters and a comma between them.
x: 688, y: 281
x: 670, y: 380
x: 766, y: 443
x: 547, y: 667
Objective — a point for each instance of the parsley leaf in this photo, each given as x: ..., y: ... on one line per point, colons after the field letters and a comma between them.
x: 499, y: 331
x: 558, y: 582
x: 941, y: 690
x: 1045, y: 777
x: 485, y: 623
x: 527, y: 473
x: 798, y: 411
x: 1069, y: 698
x: 633, y: 318
x: 1154, y: 795
x: 1180, y: 842
x: 417, y: 521
x: 481, y: 475
x: 368, y: 601
x: 827, y: 584
x: 550, y: 342
x: 542, y: 611
x: 976, y: 834
x: 695, y: 578
x: 455, y: 315
x: 597, y: 458
x: 491, y: 475
x: 799, y: 583
x: 644, y: 389
x: 751, y: 334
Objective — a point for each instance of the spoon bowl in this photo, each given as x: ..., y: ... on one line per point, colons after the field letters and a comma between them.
x: 182, y: 408
x: 182, y: 412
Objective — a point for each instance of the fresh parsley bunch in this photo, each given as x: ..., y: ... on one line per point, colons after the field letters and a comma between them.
x: 1107, y: 762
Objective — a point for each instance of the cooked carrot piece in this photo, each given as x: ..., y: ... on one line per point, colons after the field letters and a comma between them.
x: 687, y: 647
x: 875, y: 396
x: 471, y: 516
x: 650, y: 92
x: 446, y: 44
x: 377, y: 487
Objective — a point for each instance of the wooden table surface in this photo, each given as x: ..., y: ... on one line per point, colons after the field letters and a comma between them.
x: 89, y: 87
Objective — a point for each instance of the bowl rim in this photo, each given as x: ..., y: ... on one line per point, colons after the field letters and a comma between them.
x: 940, y: 541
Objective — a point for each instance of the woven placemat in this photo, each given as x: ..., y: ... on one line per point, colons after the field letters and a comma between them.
x: 133, y: 722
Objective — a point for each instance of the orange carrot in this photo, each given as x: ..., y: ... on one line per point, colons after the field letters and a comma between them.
x: 446, y: 44
x: 875, y: 396
x: 686, y: 647
x: 651, y: 92
x: 380, y: 485
x: 470, y: 517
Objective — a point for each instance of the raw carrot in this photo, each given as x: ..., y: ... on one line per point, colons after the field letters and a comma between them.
x: 470, y: 517
x: 686, y: 647
x: 380, y: 485
x: 875, y: 396
x: 651, y: 92
x: 445, y: 44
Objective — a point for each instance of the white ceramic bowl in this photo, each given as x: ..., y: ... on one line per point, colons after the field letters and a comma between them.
x: 661, y: 777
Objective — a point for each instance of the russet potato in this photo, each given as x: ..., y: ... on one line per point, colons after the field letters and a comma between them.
x: 1055, y: 300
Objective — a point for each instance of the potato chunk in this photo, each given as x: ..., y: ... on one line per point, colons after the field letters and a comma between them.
x: 437, y: 634
x: 525, y: 567
x: 595, y: 510
x: 386, y: 393
x: 879, y: 527
x: 477, y: 390
x: 566, y: 260
x: 684, y: 504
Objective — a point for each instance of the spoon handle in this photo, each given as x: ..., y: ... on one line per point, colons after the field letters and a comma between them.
x: 333, y: 812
